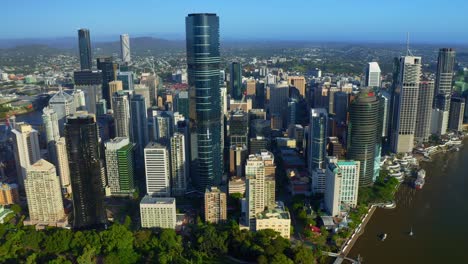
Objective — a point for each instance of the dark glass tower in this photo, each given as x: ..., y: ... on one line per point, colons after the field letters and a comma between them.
x: 443, y: 86
x: 139, y: 126
x: 363, y: 132
x: 203, y: 61
x: 81, y: 135
x: 340, y: 107
x: 84, y: 45
x: 236, y: 81
x: 108, y: 69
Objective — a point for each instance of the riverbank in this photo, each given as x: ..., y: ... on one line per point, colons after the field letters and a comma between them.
x: 426, y: 212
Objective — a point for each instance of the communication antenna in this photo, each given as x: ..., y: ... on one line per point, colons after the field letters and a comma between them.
x: 408, y: 51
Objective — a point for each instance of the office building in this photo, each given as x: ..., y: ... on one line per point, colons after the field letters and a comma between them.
x: 62, y: 167
x: 237, y: 157
x: 251, y: 87
x: 63, y: 105
x: 125, y: 48
x: 119, y: 166
x: 215, y: 205
x: 114, y: 87
x: 276, y: 219
x: 340, y: 107
x: 163, y: 126
x: 9, y: 194
x: 157, y: 170
x: 439, y: 122
x: 101, y: 108
x: 205, y: 99
x: 457, y: 110
x: 444, y: 78
x: 84, y: 46
x: 424, y: 115
x: 158, y: 212
x: 139, y: 125
x: 143, y: 90
x: 26, y: 149
x: 51, y: 128
x: 181, y: 103
x: 121, y: 107
x: 278, y: 104
x: 386, y: 99
x: 109, y: 71
x: 405, y: 104
x: 372, y: 75
x: 239, y: 128
x: 81, y: 136
x: 127, y: 80
x: 79, y: 99
x: 179, y: 164
x: 44, y: 195
x: 341, y: 187
x: 364, y: 133
x: 236, y: 81
x: 299, y: 83
x: 317, y: 138
x: 90, y: 82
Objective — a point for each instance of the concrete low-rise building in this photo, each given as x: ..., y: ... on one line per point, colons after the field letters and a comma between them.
x: 277, y: 219
x: 158, y: 212
x: 9, y: 194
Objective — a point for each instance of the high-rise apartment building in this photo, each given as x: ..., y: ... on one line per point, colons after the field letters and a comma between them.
x: 260, y: 184
x: 125, y: 48
x: 157, y: 170
x: 236, y: 81
x: 163, y: 126
x: 26, y: 149
x: 341, y: 187
x: 120, y: 167
x: 179, y: 165
x: 215, y: 205
x: 82, y: 140
x: 113, y: 87
x: 424, y: 115
x: 121, y: 107
x: 372, y: 75
x: 51, y: 128
x: 237, y: 158
x: 364, y: 133
x: 203, y: 60
x: 317, y: 138
x: 158, y: 212
x: 84, y: 46
x: 405, y: 104
x: 44, y: 195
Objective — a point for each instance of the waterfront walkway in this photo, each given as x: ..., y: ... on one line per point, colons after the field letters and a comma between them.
x: 359, y: 231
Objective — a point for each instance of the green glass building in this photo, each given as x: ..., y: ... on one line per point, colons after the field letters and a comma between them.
x: 120, y: 166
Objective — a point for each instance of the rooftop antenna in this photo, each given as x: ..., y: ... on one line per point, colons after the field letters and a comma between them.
x: 408, y: 51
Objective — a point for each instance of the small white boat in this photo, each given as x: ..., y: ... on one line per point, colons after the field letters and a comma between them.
x: 383, y: 237
x: 411, y: 232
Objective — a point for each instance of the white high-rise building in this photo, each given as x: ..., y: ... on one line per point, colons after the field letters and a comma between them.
x: 63, y: 169
x: 64, y: 105
x: 405, y: 105
x: 125, y: 48
x: 373, y: 74
x: 158, y: 212
x: 79, y: 99
x: 51, y: 127
x: 92, y: 95
x: 424, y: 116
x: 44, y: 195
x: 341, y: 187
x: 157, y: 170
x: 179, y: 166
x: 121, y: 107
x: 26, y: 149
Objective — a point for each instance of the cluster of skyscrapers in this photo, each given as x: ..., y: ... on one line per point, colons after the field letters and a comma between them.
x: 114, y: 134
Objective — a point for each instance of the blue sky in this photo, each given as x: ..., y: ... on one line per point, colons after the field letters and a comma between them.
x: 325, y: 20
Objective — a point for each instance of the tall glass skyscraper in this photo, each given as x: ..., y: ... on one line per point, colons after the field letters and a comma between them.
x: 203, y: 61
x: 81, y: 134
x: 317, y: 138
x: 236, y: 81
x: 364, y: 130
x: 443, y: 85
x: 139, y: 125
x: 84, y: 45
x: 109, y: 70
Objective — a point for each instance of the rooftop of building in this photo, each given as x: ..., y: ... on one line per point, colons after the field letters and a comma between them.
x: 157, y: 200
x: 278, y: 212
x: 42, y: 165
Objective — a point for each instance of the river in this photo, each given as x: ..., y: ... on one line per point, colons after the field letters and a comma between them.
x: 437, y: 214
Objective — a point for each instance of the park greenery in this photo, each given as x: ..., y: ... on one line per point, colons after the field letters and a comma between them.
x: 121, y: 243
x: 382, y: 191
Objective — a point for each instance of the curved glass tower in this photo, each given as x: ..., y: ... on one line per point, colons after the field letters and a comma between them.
x: 203, y: 61
x: 363, y: 130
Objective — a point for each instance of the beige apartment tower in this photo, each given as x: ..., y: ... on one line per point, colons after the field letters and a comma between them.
x: 215, y: 205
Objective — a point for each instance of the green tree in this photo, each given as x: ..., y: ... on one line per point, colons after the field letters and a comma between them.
x: 302, y: 255
x: 32, y: 239
x: 16, y: 208
x: 280, y: 258
x: 58, y: 241
x: 88, y: 256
